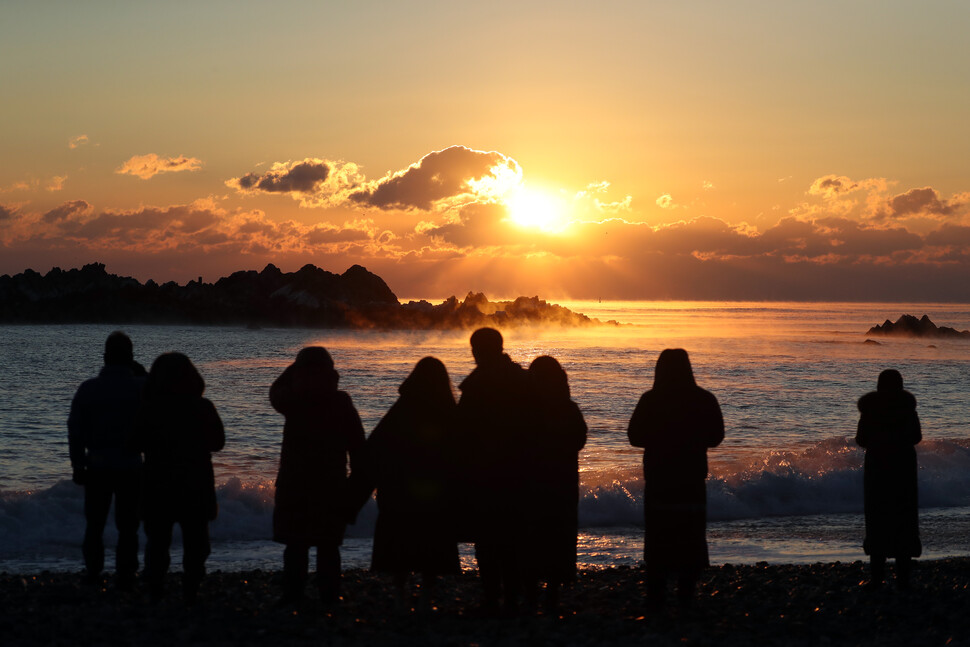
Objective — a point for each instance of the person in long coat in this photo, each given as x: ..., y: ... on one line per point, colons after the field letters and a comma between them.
x: 313, y: 503
x: 553, y: 488
x: 888, y: 430
x: 177, y: 430
x: 675, y: 422
x: 411, y: 457
x: 494, y: 422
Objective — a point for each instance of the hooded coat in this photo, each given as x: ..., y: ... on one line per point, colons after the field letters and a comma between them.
x: 322, y: 429
x: 411, y: 461
x: 889, y: 429
x: 553, y: 488
x: 675, y: 423
x: 177, y: 430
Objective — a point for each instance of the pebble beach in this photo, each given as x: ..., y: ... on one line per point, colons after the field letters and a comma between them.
x: 820, y: 604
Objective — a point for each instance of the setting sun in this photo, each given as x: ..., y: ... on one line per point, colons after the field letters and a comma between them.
x: 535, y: 209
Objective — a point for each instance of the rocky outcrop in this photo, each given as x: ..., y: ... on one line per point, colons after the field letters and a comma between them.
x: 310, y: 297
x: 910, y: 326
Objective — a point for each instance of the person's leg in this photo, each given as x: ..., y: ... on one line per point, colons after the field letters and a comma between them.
x: 904, y: 567
x: 877, y: 564
x: 296, y: 563
x: 656, y: 579
x: 195, y: 550
x: 126, y: 492
x: 328, y: 573
x: 159, y: 540
x: 686, y: 587
x: 490, y: 572
x: 97, y: 502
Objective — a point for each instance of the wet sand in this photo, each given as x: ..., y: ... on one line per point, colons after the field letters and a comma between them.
x: 736, y: 605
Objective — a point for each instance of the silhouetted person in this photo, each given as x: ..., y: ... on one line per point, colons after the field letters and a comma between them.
x: 675, y: 422
x: 553, y: 487
x: 101, y: 419
x: 494, y: 420
x: 312, y: 498
x: 889, y: 429
x: 411, y: 458
x: 177, y: 429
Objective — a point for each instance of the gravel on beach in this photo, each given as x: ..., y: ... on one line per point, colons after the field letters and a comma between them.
x: 820, y: 604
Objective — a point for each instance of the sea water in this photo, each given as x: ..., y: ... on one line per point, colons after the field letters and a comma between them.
x: 785, y: 485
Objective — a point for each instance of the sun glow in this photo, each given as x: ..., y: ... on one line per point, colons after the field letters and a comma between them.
x: 536, y: 209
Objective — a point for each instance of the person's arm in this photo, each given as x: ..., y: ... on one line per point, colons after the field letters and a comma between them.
x: 77, y: 433
x: 715, y: 422
x: 638, y: 431
x: 212, y: 428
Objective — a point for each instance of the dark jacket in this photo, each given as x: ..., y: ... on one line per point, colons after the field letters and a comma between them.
x: 411, y: 456
x: 553, y: 489
x: 177, y: 434
x: 493, y: 423
x: 322, y: 428
x: 102, y: 418
x: 675, y: 427
x: 889, y: 429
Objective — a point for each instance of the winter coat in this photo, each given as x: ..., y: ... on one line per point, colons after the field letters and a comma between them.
x: 322, y: 428
x: 675, y: 427
x: 889, y: 429
x: 102, y: 418
x: 177, y: 434
x: 553, y: 489
x: 493, y: 422
x: 411, y: 458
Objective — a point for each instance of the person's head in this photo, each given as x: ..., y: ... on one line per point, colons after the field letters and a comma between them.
x: 673, y: 370
x: 118, y: 350
x: 174, y: 374
x: 486, y: 345
x: 548, y: 379
x: 428, y: 381
x: 890, y: 381
x: 317, y: 361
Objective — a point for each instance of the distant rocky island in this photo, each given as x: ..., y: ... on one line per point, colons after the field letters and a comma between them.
x: 910, y: 326
x: 310, y: 297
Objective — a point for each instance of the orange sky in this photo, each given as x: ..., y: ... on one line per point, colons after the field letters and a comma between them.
x: 698, y: 150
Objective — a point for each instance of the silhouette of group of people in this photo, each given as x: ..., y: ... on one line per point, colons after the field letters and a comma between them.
x: 146, y: 440
x: 497, y: 467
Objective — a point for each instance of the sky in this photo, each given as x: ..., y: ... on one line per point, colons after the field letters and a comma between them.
x: 740, y: 150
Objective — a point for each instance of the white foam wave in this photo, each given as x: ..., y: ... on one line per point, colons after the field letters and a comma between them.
x: 823, y: 479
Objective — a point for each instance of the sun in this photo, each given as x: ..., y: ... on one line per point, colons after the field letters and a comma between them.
x: 536, y: 209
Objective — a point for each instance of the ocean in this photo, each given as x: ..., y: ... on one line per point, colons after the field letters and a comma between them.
x: 785, y: 486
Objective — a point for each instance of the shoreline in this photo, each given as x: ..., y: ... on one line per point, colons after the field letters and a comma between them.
x: 736, y: 604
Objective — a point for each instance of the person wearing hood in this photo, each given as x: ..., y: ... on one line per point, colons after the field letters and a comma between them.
x: 888, y: 430
x: 411, y: 459
x: 553, y: 489
x: 177, y: 430
x: 675, y: 423
x: 313, y: 502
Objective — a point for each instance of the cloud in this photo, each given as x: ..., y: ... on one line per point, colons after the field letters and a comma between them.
x: 56, y: 183
x: 450, y: 173
x: 7, y: 212
x: 923, y: 202
x: 77, y: 142
x: 305, y: 176
x: 831, y: 187
x: 148, y: 166
x: 66, y: 211
x: 478, y: 225
x: 666, y: 202
x: 312, y: 181
x: 707, y: 185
